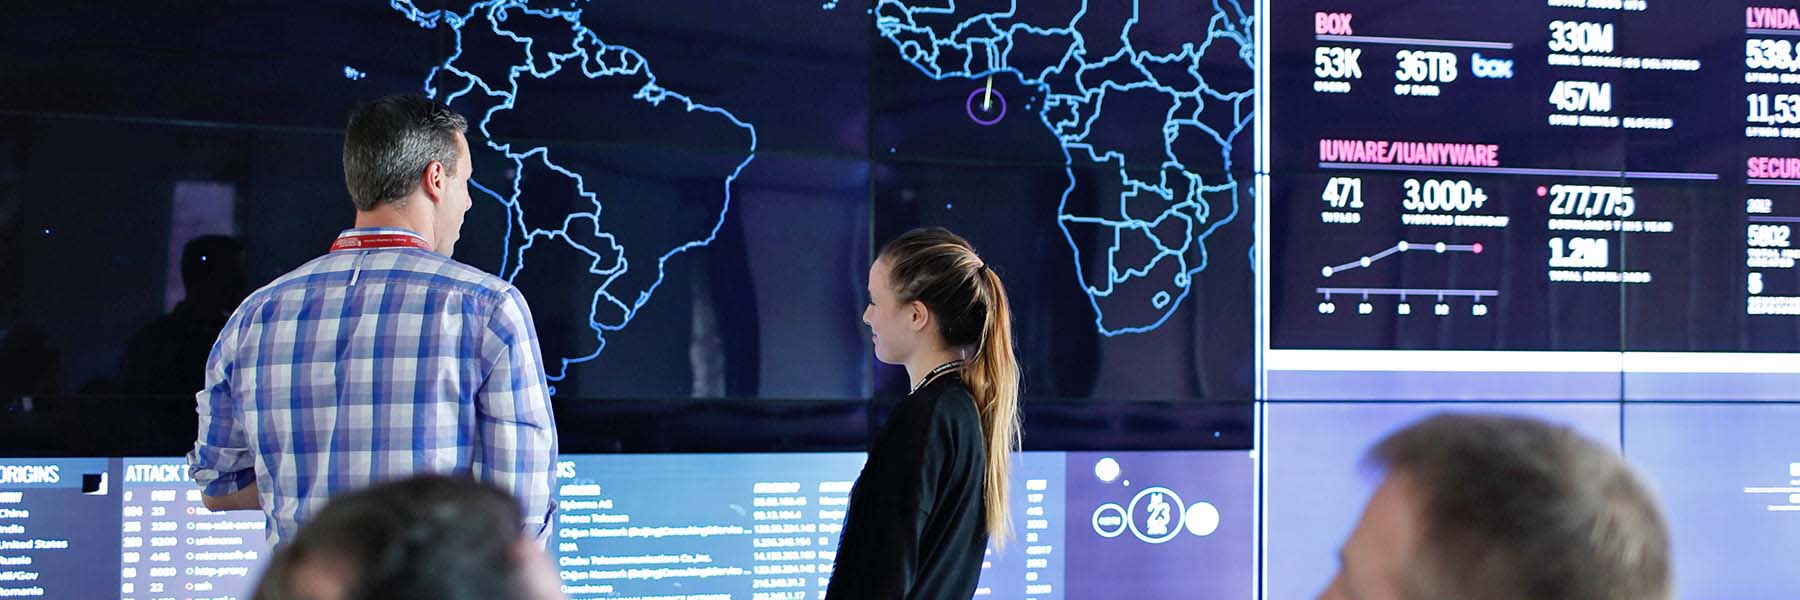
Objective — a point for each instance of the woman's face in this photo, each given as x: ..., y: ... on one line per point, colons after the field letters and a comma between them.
x: 894, y: 326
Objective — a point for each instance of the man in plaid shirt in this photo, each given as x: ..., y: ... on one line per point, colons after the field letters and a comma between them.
x: 384, y: 357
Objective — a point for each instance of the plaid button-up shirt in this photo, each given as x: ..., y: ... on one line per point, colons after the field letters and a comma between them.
x: 372, y: 364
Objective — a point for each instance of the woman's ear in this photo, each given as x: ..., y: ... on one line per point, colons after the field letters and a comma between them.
x: 919, y: 316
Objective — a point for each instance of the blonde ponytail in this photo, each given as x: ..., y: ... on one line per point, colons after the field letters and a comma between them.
x: 992, y: 375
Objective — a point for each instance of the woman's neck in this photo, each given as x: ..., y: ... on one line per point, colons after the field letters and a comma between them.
x: 921, y: 365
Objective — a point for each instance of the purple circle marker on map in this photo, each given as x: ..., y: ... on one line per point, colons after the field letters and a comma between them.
x: 992, y: 114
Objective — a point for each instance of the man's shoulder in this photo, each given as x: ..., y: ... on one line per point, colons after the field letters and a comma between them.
x: 407, y: 268
x: 445, y: 271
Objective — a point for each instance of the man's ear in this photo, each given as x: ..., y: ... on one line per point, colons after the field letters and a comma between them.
x: 434, y: 181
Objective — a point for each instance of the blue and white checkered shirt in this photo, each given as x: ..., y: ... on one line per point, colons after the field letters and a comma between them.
x: 373, y: 364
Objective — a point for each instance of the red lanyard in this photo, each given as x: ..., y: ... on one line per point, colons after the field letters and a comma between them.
x: 379, y: 240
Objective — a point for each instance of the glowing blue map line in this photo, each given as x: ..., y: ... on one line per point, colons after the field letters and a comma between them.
x: 981, y: 46
x: 596, y: 59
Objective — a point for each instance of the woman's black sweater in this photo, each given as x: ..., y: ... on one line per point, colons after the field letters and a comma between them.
x: 915, y: 527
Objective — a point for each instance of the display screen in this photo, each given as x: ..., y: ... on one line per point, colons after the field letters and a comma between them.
x: 1593, y: 188
x: 745, y: 526
x: 689, y: 198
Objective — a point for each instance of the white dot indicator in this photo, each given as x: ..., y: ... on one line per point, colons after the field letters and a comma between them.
x: 1365, y: 261
x: 1441, y: 247
x: 1202, y: 519
x: 1326, y: 271
x: 1403, y: 246
x: 1107, y: 470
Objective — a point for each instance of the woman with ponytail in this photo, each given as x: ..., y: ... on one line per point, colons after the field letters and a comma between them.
x: 934, y: 489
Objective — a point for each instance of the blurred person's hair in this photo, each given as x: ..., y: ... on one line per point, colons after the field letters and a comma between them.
x: 428, y: 536
x: 1515, y: 509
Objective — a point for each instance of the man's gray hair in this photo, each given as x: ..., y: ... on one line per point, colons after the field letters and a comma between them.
x: 1516, y: 509
x: 390, y: 141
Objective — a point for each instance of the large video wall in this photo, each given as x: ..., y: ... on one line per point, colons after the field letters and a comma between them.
x: 1317, y: 220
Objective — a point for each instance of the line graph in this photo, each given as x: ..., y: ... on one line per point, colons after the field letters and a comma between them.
x: 1366, y: 261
